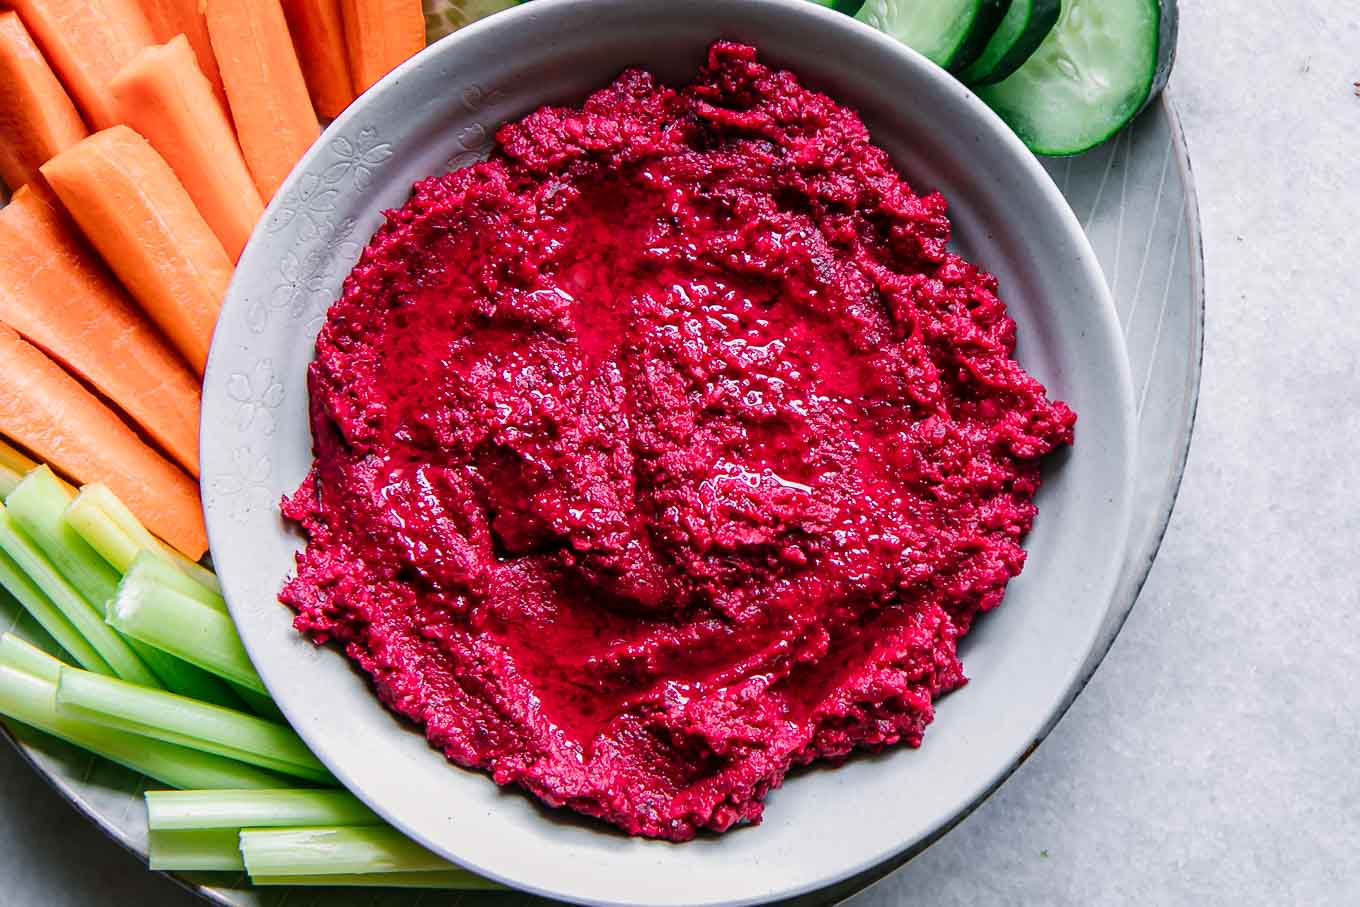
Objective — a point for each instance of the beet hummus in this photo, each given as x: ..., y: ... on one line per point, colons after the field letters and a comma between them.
x: 666, y: 450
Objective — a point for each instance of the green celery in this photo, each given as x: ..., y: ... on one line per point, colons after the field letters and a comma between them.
x: 82, y: 615
x: 335, y: 850
x: 13, y: 467
x: 37, y: 505
x: 259, y: 703
x: 14, y: 461
x: 160, y: 616
x: 100, y: 532
x: 177, y: 719
x: 28, y: 694
x: 48, y: 616
x: 194, y: 570
x: 198, y: 850
x: 150, y: 566
x: 113, y: 531
x: 182, y: 810
x: 155, y: 566
x: 448, y: 879
x: 22, y: 655
x: 8, y: 480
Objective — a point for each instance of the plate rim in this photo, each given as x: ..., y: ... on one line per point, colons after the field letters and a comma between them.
x: 1166, y: 508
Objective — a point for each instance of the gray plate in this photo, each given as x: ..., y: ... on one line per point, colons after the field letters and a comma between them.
x: 1025, y: 660
x: 1136, y: 199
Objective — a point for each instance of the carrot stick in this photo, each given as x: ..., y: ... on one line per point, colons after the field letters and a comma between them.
x: 37, y: 119
x: 55, y: 293
x: 380, y: 35
x: 269, y: 102
x: 49, y: 413
x: 183, y: 17
x: 319, y: 36
x: 87, y: 42
x: 134, y: 210
x: 163, y: 95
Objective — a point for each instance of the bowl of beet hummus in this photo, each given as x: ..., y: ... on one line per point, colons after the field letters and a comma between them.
x: 669, y: 453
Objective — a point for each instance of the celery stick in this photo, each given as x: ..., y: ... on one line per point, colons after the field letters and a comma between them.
x: 37, y: 505
x: 119, y: 513
x: 158, y: 615
x: 449, y: 879
x: 28, y: 694
x: 194, y: 570
x: 118, y: 536
x: 202, y: 850
x: 9, y: 480
x: 87, y: 621
x: 48, y: 616
x: 260, y: 704
x: 22, y: 655
x: 100, y: 532
x: 169, y: 810
x: 151, y: 567
x: 177, y: 719
x: 156, y: 566
x: 13, y: 461
x: 335, y: 850
x: 179, y: 676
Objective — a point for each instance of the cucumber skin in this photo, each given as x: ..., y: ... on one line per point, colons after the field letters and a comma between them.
x: 849, y: 7
x: 1168, y: 35
x: 1168, y: 32
x: 1043, y: 16
x: 984, y: 26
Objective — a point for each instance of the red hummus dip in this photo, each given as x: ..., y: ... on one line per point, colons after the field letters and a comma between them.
x: 667, y: 450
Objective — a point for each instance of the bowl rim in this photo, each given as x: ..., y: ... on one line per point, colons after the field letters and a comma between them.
x: 1088, y: 264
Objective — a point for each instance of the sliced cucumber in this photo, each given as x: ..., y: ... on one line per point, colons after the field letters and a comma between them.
x: 1023, y: 28
x: 937, y: 29
x: 849, y: 7
x: 984, y: 26
x: 1101, y: 64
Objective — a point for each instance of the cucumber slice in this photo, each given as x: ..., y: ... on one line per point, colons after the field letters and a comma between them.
x: 984, y: 26
x: 849, y: 7
x: 937, y: 29
x: 1099, y: 67
x: 1024, y: 27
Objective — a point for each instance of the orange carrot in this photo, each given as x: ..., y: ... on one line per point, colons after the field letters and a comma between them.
x: 87, y: 42
x: 269, y: 102
x: 380, y: 35
x: 37, y: 119
x: 319, y: 36
x: 50, y: 414
x: 134, y: 210
x: 183, y: 17
x: 163, y: 95
x: 54, y: 292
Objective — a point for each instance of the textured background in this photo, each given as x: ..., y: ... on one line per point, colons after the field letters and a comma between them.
x: 1212, y: 758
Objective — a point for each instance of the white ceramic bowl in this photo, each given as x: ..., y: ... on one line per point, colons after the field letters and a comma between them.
x: 439, y: 111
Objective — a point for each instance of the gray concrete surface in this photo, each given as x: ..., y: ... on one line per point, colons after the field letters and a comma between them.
x: 1212, y: 760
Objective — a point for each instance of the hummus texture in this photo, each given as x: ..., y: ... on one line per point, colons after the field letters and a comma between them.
x: 667, y: 450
